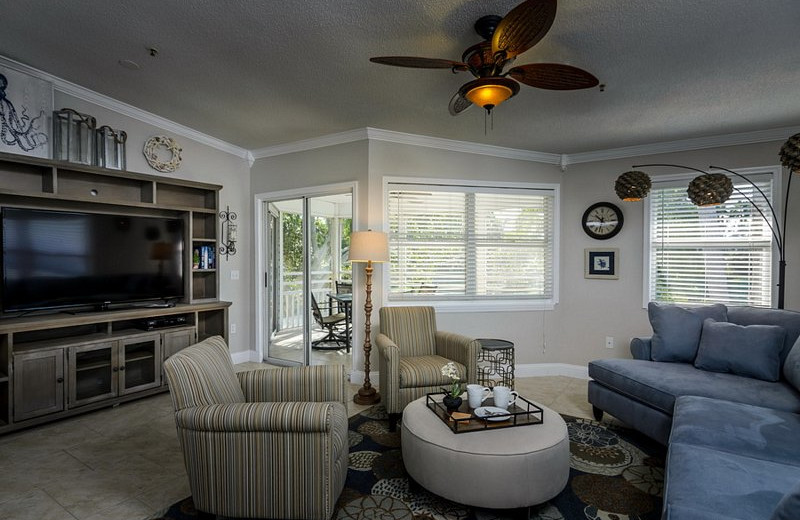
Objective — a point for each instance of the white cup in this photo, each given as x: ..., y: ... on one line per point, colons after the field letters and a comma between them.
x: 477, y: 394
x: 504, y: 397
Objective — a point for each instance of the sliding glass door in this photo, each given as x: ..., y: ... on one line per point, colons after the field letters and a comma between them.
x: 306, y: 245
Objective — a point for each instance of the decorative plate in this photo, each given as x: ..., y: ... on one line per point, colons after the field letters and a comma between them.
x: 158, y: 145
x: 492, y: 413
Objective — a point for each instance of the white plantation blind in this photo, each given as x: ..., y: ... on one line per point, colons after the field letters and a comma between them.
x: 470, y: 243
x: 717, y: 254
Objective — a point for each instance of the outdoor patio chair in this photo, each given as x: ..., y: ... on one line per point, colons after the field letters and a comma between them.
x: 333, y: 324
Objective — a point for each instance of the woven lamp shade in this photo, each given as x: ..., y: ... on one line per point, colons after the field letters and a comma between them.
x: 790, y: 153
x: 710, y: 189
x: 632, y: 186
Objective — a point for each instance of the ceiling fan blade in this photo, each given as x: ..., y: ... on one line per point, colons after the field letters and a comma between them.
x: 523, y: 27
x: 553, y: 76
x: 419, y: 63
x: 458, y: 104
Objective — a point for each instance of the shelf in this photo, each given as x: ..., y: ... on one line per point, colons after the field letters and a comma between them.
x: 187, y: 196
x: 83, y: 367
x: 139, y: 358
x: 103, y: 188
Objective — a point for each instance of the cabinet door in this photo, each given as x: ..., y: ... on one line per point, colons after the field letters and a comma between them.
x: 93, y: 373
x: 140, y: 363
x: 175, y: 340
x: 38, y: 383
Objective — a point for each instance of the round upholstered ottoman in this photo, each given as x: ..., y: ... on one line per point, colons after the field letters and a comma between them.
x: 499, y: 469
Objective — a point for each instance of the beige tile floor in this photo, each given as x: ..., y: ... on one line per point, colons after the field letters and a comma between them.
x: 124, y: 462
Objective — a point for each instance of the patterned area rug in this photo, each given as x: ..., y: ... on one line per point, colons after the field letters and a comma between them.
x: 615, y: 474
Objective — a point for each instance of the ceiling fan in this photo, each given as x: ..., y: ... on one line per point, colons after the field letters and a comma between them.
x: 504, y: 39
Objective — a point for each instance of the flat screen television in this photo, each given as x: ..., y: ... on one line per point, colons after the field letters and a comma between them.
x: 56, y: 259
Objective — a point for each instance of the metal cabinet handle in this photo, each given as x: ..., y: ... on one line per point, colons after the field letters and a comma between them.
x: 122, y: 368
x: 115, y: 369
x: 60, y: 380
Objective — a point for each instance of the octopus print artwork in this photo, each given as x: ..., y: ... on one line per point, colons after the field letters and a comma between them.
x: 25, y: 105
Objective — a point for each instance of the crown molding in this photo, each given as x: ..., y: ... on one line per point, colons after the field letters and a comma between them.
x: 462, y: 146
x: 131, y: 111
x: 684, y: 145
x: 377, y: 134
x: 312, y: 143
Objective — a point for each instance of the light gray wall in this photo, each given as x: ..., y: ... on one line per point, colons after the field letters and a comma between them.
x: 343, y: 163
x: 199, y: 163
x: 589, y: 310
x: 534, y: 333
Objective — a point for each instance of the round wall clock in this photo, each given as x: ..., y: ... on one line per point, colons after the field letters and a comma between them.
x: 163, y: 153
x: 602, y: 220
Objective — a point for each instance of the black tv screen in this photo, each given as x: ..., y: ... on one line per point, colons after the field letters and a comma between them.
x: 54, y: 259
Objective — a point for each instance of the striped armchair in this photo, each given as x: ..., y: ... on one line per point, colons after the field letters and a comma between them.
x: 411, y: 354
x: 266, y: 443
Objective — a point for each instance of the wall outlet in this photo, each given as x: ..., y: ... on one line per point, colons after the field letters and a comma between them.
x: 609, y: 342
x: 233, y: 328
x: 234, y: 274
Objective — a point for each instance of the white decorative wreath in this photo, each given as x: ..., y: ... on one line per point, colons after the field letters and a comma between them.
x: 152, y: 147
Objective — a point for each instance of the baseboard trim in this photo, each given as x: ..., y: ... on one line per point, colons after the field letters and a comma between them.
x: 551, y: 369
x: 248, y: 356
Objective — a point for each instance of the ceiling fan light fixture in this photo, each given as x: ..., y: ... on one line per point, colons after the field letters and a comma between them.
x: 489, y: 92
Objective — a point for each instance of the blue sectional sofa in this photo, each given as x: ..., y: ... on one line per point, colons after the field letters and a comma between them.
x: 720, y: 386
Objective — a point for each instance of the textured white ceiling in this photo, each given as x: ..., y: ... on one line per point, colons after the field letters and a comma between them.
x: 259, y: 73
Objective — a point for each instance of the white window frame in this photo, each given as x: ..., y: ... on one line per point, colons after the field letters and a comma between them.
x: 480, y: 305
x: 777, y: 187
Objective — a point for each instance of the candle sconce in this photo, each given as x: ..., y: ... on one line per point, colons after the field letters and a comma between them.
x: 227, y: 233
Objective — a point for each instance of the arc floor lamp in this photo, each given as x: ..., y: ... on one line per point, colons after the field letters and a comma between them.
x: 711, y: 189
x: 368, y: 247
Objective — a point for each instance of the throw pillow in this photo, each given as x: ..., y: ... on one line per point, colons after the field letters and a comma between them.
x: 791, y: 367
x: 789, y: 506
x: 676, y: 330
x: 752, y: 351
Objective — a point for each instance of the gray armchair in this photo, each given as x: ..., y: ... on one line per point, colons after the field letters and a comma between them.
x: 268, y: 443
x: 411, y: 354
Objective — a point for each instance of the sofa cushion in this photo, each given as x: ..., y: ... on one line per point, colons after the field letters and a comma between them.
x: 751, y: 351
x: 742, y: 429
x: 676, y: 330
x: 791, y: 368
x: 724, y: 484
x: 789, y: 506
x: 789, y: 320
x: 658, y: 384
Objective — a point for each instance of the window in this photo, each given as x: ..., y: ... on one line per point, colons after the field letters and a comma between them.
x: 471, y: 243
x: 711, y: 254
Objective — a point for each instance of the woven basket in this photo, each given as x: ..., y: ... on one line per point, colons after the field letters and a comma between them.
x: 790, y: 153
x: 632, y: 186
x: 710, y: 189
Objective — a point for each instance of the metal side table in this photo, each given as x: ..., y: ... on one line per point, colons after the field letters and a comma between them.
x: 496, y: 363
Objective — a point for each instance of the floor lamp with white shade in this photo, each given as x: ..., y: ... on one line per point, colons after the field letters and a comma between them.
x: 368, y: 247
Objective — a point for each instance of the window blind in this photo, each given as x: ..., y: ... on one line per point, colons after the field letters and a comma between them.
x: 470, y: 243
x: 711, y: 254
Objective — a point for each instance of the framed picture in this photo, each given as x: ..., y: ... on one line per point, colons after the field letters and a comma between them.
x: 601, y: 263
x: 26, y: 109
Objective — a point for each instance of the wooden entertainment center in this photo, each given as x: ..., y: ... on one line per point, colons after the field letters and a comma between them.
x: 53, y: 365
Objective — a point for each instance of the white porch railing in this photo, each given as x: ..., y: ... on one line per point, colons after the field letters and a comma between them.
x: 291, y: 295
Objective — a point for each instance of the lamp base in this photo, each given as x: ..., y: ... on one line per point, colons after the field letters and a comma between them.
x: 367, y: 396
